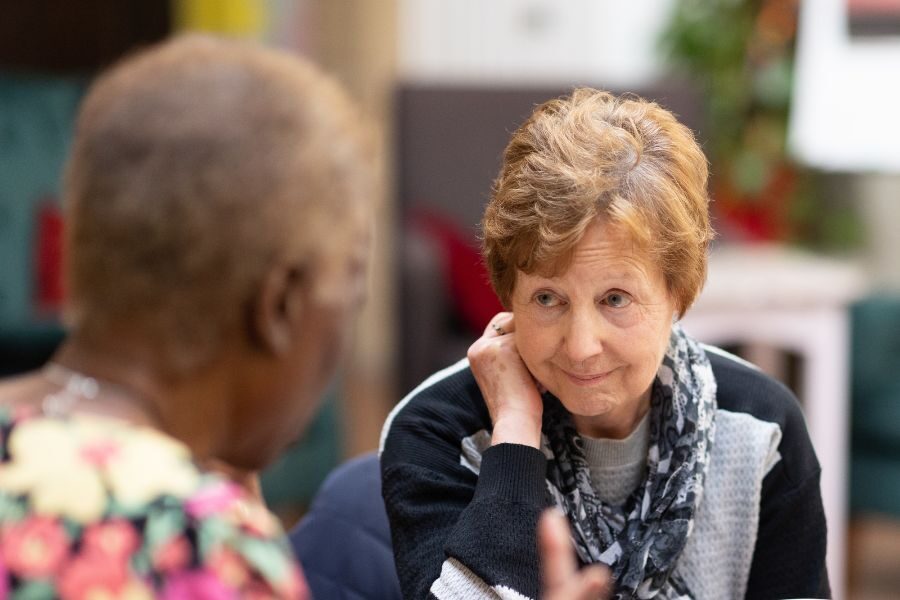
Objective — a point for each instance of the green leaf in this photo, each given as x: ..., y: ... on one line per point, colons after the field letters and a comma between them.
x: 11, y: 509
x: 34, y: 590
x: 162, y: 525
x: 73, y: 529
x: 213, y: 532
x: 265, y: 556
x: 772, y: 83
x: 750, y: 172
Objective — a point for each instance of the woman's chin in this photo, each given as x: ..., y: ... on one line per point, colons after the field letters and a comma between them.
x: 605, y: 416
x: 590, y: 407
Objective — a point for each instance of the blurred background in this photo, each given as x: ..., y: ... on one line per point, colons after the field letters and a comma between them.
x: 796, y: 104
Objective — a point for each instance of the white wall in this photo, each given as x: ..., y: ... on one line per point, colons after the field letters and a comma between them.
x: 845, y: 117
x: 846, y: 103
x: 503, y: 42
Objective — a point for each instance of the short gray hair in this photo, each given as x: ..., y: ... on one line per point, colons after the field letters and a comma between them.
x: 195, y: 165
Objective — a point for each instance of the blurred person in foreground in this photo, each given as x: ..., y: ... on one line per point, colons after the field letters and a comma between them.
x: 684, y: 469
x: 218, y: 224
x: 217, y: 211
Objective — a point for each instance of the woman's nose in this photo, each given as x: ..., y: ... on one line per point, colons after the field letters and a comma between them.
x: 584, y: 338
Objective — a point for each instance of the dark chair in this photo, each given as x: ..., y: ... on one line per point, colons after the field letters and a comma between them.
x: 344, y: 542
x: 875, y: 465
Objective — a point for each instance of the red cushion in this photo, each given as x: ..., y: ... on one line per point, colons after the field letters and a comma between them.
x: 473, y: 298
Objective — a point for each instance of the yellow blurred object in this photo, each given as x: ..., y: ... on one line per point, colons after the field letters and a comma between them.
x: 243, y: 18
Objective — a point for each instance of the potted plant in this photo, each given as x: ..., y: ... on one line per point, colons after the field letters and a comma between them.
x: 741, y: 53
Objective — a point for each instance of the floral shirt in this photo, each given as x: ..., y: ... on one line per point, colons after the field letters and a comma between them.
x: 92, y: 507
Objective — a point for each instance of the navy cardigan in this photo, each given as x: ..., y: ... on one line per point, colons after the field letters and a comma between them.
x: 344, y: 541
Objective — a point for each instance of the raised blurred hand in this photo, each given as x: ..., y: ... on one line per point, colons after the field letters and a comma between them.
x: 562, y: 580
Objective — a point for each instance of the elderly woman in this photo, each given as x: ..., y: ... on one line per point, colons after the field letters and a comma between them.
x: 685, y: 470
x: 217, y: 225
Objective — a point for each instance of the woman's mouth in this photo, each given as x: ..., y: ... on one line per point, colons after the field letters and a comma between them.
x: 587, y: 379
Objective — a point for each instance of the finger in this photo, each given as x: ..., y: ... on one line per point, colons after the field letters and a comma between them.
x: 590, y: 583
x: 500, y: 324
x: 557, y: 555
x: 508, y: 323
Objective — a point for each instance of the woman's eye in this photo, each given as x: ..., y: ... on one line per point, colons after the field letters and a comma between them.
x: 617, y: 300
x: 546, y: 299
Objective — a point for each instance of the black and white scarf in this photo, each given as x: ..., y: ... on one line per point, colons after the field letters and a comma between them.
x: 642, y: 540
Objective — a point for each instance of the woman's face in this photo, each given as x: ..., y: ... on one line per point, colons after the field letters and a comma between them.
x: 596, y: 334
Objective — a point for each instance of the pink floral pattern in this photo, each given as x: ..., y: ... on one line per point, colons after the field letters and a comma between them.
x: 198, y: 584
x: 35, y: 547
x: 93, y: 575
x: 96, y: 508
x: 212, y: 499
x: 114, y: 539
x: 172, y: 555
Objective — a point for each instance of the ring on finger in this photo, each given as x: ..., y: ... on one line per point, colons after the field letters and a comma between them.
x: 498, y: 329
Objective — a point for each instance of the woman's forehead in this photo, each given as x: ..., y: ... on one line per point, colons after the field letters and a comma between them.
x: 606, y: 251
x: 604, y: 239
x: 596, y: 269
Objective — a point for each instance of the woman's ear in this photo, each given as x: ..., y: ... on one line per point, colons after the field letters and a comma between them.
x: 277, y: 308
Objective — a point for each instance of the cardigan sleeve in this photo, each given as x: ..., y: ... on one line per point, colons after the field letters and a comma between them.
x: 789, y: 556
x: 455, y: 533
x: 789, y: 552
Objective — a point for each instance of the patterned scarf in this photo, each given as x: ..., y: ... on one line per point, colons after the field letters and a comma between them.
x: 642, y: 540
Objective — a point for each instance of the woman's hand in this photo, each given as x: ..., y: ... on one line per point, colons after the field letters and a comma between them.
x: 509, y: 390
x: 561, y: 578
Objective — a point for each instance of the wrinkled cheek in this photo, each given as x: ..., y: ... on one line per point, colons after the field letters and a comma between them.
x: 642, y: 379
x: 536, y: 361
x: 627, y: 319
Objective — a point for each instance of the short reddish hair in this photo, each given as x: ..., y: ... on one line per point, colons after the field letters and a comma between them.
x: 592, y: 154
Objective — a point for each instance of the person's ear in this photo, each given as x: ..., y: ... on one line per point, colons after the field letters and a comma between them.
x: 278, y: 306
